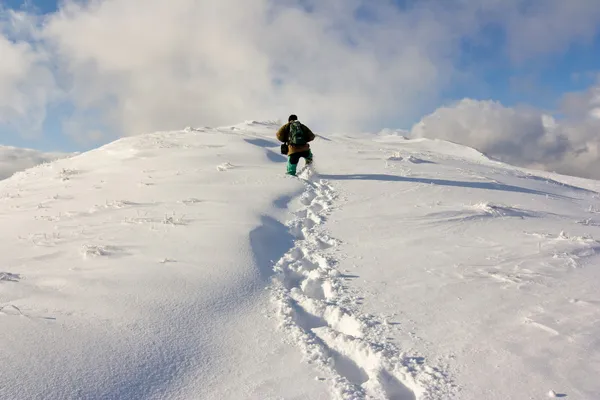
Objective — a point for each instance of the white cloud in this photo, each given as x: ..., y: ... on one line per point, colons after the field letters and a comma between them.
x: 515, y: 135
x: 520, y: 136
x: 161, y: 65
x: 26, y: 83
x: 547, y: 27
x: 133, y: 66
x: 157, y: 65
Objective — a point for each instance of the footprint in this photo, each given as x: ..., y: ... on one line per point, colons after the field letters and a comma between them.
x: 297, y: 230
x: 348, y: 368
x: 307, y: 197
x: 302, y: 213
x: 342, y: 364
x: 317, y: 207
x: 324, y: 244
x: 305, y: 320
x: 361, y: 356
x: 297, y: 254
x: 315, y: 218
x: 292, y: 279
x: 309, y: 223
x: 312, y: 286
x: 308, y: 265
x: 336, y: 318
x: 393, y: 388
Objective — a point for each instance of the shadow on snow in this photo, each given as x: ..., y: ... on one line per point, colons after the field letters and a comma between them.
x: 440, y: 182
x: 269, y: 242
x: 262, y: 142
x: 276, y: 157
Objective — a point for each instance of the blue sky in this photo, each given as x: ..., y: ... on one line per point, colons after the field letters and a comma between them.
x: 540, y: 82
x: 43, y: 6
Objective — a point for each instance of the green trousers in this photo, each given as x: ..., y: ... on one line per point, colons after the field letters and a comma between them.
x: 293, y: 160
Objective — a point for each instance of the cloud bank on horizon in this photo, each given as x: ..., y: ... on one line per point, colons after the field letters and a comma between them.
x: 124, y: 67
x: 524, y: 136
x: 14, y: 159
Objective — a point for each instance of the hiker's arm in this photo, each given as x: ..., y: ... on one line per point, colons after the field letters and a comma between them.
x: 310, y: 135
x: 282, y: 133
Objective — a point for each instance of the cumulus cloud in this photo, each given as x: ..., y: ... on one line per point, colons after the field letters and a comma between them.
x: 525, y: 137
x: 26, y: 84
x: 13, y: 159
x: 515, y: 135
x: 161, y: 65
x: 342, y: 64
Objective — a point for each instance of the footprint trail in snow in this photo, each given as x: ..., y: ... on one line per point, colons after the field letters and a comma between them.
x: 319, y: 315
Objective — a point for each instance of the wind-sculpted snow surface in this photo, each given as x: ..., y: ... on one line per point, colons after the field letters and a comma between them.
x: 489, y: 272
x: 15, y: 159
x: 187, y: 265
x: 130, y: 272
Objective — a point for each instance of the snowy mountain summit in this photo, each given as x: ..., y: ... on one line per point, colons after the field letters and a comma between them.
x: 187, y: 265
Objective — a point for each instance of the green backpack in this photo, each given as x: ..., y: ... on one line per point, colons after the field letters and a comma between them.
x: 297, y: 134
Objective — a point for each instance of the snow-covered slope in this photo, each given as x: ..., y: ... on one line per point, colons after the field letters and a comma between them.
x: 14, y: 159
x: 186, y: 265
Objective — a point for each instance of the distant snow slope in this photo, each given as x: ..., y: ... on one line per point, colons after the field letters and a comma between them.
x: 185, y: 265
x: 14, y: 159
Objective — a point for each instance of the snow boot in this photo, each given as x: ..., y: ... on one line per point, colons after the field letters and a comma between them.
x: 291, y: 168
x: 309, y: 159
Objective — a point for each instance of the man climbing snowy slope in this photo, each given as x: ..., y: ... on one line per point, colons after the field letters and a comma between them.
x: 296, y: 136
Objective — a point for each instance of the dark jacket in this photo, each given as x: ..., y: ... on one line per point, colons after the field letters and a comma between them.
x: 283, y: 135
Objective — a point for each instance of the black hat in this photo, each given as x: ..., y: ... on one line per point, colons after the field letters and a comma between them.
x: 292, y: 118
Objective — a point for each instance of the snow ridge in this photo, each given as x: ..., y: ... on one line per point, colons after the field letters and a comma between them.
x: 318, y: 314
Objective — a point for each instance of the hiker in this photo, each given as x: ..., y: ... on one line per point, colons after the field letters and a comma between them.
x: 295, y: 137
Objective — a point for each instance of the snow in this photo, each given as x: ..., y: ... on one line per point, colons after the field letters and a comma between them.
x: 186, y: 265
x: 15, y: 159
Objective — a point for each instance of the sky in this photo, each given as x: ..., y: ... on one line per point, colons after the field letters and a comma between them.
x: 77, y: 74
